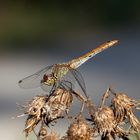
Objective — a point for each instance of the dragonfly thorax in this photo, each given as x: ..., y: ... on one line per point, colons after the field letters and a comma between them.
x: 57, y: 73
x: 60, y: 70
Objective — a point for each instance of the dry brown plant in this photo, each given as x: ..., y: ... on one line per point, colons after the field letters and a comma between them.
x: 124, y: 107
x: 79, y: 130
x: 58, y: 103
x: 33, y: 110
x: 47, y: 109
x: 106, y: 125
x: 107, y: 121
x: 43, y: 134
x: 104, y: 122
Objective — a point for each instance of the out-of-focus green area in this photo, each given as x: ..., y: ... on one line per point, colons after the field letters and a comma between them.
x: 30, y: 20
x: 134, y: 137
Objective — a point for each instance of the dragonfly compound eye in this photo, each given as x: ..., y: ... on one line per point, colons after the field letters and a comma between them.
x: 48, y: 80
x: 45, y: 78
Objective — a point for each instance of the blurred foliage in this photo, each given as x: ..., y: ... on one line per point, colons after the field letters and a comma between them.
x: 27, y: 20
x: 134, y: 137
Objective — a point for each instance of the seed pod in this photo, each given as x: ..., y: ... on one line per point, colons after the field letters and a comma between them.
x: 104, y: 124
x: 59, y: 103
x: 123, y: 108
x: 30, y: 124
x: 34, y: 107
x: 34, y: 110
x: 47, y: 109
x: 104, y: 120
x: 43, y: 134
x: 79, y: 130
x: 56, y: 105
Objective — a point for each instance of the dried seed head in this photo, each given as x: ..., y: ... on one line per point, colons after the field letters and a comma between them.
x: 133, y: 121
x: 43, y: 135
x: 121, y: 133
x: 105, y: 124
x: 123, y: 107
x: 52, y: 136
x: 34, y: 107
x: 62, y: 99
x: 107, y: 136
x: 79, y: 130
x: 59, y: 102
x: 30, y: 124
x: 34, y: 110
x: 104, y: 120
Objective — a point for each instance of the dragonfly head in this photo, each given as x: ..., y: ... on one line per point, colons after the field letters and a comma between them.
x: 48, y: 80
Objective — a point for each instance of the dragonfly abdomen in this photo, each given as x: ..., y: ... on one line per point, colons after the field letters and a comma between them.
x: 75, y: 63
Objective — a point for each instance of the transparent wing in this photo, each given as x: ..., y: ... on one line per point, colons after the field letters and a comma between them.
x: 68, y: 85
x: 47, y: 88
x: 80, y: 80
x: 34, y: 80
x: 68, y: 81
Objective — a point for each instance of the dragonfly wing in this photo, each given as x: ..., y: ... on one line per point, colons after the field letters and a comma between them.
x: 46, y: 88
x: 34, y: 80
x: 80, y: 80
x: 65, y: 84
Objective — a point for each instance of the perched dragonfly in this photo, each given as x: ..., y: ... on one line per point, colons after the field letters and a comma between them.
x: 51, y: 76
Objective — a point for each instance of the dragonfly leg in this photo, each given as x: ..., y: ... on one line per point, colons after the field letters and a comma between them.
x: 66, y: 85
x: 52, y: 89
x: 70, y: 85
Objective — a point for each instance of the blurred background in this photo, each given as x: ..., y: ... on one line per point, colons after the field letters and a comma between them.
x: 35, y: 34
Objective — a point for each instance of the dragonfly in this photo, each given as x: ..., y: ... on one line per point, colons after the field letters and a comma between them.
x: 50, y: 77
